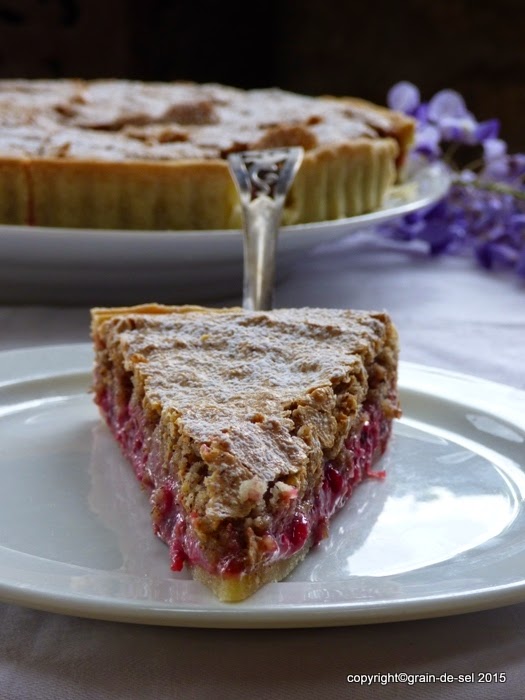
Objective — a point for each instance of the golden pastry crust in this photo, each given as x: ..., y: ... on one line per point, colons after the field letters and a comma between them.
x: 243, y: 410
x: 131, y: 155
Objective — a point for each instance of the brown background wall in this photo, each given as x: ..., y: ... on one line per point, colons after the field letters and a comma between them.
x: 310, y: 46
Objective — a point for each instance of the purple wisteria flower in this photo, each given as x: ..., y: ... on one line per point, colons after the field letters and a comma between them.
x: 483, y: 213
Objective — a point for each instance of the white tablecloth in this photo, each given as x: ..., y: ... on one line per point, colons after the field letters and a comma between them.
x: 450, y: 314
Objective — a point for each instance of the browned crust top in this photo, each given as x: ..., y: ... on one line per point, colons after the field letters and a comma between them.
x: 118, y: 120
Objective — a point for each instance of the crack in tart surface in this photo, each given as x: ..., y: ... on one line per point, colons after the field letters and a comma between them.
x: 131, y: 155
x: 249, y: 430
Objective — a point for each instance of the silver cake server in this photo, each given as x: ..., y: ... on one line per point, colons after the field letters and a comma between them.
x: 263, y: 179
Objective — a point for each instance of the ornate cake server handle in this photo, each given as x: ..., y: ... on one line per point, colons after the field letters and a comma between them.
x: 263, y: 179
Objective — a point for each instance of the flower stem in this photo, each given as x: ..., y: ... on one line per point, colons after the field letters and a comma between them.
x: 498, y: 187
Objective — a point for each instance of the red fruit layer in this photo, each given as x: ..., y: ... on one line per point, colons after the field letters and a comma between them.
x: 309, y: 522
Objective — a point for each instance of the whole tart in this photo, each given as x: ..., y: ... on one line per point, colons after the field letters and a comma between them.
x: 132, y: 155
x: 248, y: 430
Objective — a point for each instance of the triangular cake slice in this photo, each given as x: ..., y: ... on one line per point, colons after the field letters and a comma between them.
x: 249, y: 429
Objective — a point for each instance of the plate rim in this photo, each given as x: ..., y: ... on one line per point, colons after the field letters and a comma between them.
x: 304, y: 615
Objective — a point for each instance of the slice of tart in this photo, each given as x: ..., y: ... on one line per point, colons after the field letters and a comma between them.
x: 249, y: 430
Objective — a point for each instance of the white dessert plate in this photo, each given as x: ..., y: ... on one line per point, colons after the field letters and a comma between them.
x: 443, y: 533
x: 95, y: 266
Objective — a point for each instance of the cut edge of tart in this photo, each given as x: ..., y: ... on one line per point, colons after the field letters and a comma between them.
x: 249, y: 430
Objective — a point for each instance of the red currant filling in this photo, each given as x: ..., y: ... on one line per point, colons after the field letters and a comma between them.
x: 309, y: 522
